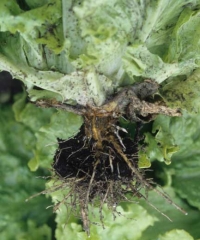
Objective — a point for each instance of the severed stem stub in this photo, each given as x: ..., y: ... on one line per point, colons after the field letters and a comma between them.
x: 101, y: 161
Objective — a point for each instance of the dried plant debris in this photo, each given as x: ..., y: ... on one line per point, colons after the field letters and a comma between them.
x: 101, y: 161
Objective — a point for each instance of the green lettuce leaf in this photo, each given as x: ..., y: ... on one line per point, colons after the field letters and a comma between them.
x: 183, y: 93
x: 161, y: 144
x: 46, y: 126
x: 182, y: 174
x: 132, y: 216
x: 176, y: 235
x: 81, y: 52
x: 98, y: 46
x: 185, y: 163
x: 62, y: 125
x: 163, y: 227
x: 20, y: 220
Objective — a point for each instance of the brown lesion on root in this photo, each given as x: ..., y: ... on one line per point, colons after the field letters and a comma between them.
x: 131, y: 101
x: 101, y: 161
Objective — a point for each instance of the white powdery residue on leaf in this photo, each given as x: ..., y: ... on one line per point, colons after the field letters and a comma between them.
x: 85, y: 88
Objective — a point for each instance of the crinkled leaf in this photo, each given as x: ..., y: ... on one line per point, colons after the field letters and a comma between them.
x: 185, y: 167
x: 185, y: 162
x: 133, y: 217
x: 161, y: 145
x: 30, y: 115
x: 62, y: 125
x: 153, y: 150
x: 144, y: 161
x: 184, y: 133
x: 83, y: 52
x: 46, y: 126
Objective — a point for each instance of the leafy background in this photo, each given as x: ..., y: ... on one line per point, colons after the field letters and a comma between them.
x: 90, y: 52
x: 28, y: 142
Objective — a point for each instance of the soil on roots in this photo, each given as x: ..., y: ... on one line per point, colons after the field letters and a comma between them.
x: 77, y: 157
x: 101, y: 161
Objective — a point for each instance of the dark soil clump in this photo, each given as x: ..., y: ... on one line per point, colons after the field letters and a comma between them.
x: 100, y: 161
x: 76, y: 157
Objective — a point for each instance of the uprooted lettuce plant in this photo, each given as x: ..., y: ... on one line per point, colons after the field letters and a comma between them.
x: 123, y: 76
